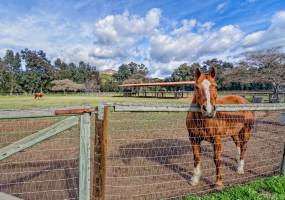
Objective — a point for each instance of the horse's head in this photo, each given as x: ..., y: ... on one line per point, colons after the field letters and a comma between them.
x: 206, y: 92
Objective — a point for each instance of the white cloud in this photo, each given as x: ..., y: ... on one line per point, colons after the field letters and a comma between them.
x: 220, y: 7
x: 271, y: 37
x: 187, y: 25
x: 118, y: 36
x: 204, y: 27
x: 253, y: 38
x: 37, y: 31
x: 190, y: 45
x: 224, y: 39
x: 125, y: 28
x: 161, y: 70
x: 116, y: 39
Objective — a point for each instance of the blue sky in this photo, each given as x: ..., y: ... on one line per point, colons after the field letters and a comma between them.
x: 162, y: 34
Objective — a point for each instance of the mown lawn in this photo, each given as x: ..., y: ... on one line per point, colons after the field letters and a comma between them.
x: 28, y: 102
x: 267, y: 188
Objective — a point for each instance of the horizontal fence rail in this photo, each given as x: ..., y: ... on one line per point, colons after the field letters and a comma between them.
x: 37, y: 113
x: 15, y: 114
x: 195, y: 108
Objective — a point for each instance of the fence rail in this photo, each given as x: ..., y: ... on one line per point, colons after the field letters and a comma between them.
x: 37, y: 113
x: 195, y: 108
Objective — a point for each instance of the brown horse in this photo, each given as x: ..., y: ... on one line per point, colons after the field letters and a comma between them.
x: 38, y: 95
x: 212, y: 126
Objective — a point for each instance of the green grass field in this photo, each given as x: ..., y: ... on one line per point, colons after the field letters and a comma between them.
x: 28, y: 102
x: 52, y: 101
x: 268, y: 188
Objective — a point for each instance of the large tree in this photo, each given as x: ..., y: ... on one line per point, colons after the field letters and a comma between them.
x: 108, y: 83
x: 125, y: 71
x: 3, y: 77
x: 221, y: 67
x: 270, y: 68
x: 12, y: 67
x: 39, y: 71
x: 183, y: 73
x: 63, y: 70
x: 260, y: 67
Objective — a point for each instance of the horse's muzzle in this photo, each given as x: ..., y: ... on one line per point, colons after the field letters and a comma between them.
x: 207, y: 114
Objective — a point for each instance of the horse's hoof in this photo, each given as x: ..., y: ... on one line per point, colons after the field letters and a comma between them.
x: 240, y: 171
x: 219, y: 185
x: 194, y: 181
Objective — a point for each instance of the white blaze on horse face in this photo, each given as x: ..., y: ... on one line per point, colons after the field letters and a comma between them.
x: 206, y: 85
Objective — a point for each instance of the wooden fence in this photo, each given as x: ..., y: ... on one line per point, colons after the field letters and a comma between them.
x: 99, y: 187
x: 92, y: 176
x: 56, y: 128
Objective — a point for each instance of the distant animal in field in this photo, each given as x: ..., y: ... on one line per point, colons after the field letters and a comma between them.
x: 38, y: 95
x: 212, y: 126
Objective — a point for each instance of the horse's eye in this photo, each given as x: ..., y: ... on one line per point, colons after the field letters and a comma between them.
x: 196, y: 87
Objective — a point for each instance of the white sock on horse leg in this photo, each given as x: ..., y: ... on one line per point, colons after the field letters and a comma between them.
x: 240, y: 169
x: 196, y: 175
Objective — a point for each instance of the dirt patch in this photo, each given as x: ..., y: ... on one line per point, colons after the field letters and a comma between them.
x: 48, y: 170
x: 150, y: 156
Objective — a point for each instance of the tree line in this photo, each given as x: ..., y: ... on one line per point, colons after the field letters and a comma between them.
x: 31, y: 71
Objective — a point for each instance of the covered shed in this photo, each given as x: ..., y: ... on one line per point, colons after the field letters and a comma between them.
x: 156, y: 89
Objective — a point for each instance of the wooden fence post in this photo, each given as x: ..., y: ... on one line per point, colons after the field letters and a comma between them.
x: 84, y: 173
x: 100, y: 154
x: 283, y: 163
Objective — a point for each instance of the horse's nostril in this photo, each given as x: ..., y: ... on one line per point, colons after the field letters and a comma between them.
x: 204, y: 108
x: 214, y: 107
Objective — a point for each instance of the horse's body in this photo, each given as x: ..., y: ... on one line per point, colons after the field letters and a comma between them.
x: 38, y: 95
x: 212, y: 126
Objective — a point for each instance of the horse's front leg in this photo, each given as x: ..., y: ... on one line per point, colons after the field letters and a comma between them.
x: 218, y: 160
x: 245, y: 135
x: 237, y: 143
x: 196, y: 146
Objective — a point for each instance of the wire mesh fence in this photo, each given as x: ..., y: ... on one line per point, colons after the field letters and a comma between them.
x: 47, y: 170
x: 137, y: 155
x: 150, y: 155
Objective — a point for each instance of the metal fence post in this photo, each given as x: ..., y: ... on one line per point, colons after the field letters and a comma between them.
x: 84, y: 173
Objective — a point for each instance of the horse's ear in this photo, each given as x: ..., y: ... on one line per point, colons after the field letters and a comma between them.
x: 197, y: 73
x: 212, y: 72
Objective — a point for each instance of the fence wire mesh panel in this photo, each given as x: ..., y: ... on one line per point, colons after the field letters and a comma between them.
x: 46, y: 170
x: 150, y: 155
